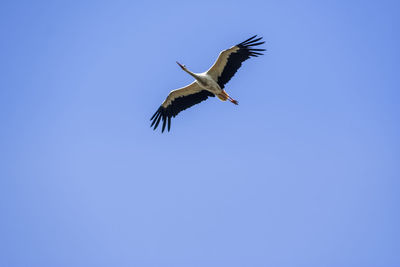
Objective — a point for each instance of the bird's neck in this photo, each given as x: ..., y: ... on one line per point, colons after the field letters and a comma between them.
x: 194, y: 75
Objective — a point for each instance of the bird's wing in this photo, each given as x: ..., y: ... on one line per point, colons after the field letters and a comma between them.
x: 230, y: 60
x: 178, y: 100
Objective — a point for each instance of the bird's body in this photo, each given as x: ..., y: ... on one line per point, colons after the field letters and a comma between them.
x: 207, y: 84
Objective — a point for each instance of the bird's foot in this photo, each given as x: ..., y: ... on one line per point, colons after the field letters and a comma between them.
x: 234, y: 102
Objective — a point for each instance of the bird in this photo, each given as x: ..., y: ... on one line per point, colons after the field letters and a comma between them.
x: 207, y: 84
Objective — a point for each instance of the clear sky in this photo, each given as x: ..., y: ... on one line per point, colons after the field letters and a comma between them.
x: 304, y: 172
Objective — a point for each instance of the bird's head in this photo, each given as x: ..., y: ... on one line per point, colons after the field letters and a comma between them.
x: 180, y: 65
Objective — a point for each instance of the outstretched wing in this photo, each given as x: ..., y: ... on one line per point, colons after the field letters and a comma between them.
x: 230, y: 60
x: 178, y: 100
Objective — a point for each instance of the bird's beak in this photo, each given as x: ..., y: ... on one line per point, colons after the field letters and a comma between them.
x: 180, y: 65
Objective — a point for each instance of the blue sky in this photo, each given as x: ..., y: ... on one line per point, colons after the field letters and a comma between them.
x: 304, y: 172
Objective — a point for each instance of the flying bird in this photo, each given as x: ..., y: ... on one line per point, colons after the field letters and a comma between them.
x: 207, y: 84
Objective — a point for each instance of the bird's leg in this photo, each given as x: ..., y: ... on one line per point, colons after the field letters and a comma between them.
x: 224, y: 96
x: 233, y: 100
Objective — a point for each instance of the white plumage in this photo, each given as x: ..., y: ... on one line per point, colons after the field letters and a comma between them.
x: 207, y: 84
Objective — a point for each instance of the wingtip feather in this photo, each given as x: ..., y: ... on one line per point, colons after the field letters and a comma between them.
x: 158, y: 121
x: 164, y: 123
x: 249, y: 39
x: 155, y: 114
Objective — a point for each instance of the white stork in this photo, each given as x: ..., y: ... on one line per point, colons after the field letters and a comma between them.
x: 207, y: 84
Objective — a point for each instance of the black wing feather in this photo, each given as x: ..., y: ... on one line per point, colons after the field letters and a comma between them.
x: 176, y: 106
x: 236, y: 59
